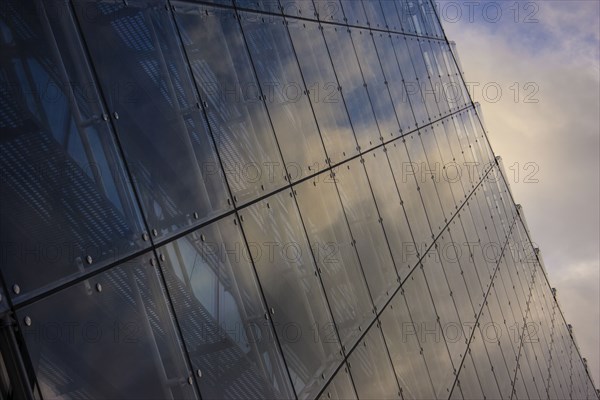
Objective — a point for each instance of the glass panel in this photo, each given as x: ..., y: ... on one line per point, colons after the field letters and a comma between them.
x: 404, y: 171
x: 468, y: 380
x: 434, y: 74
x: 423, y: 80
x: 390, y: 12
x: 328, y: 104
x: 433, y: 344
x: 221, y: 314
x: 293, y: 291
x: 435, y: 166
x: 394, y: 81
x: 238, y: 119
x: 353, y: 89
x: 377, y: 86
x: 271, y: 6
x: 329, y: 10
x: 374, y: 13
x: 462, y: 276
x: 481, y: 361
x: 366, y: 228
x: 392, y: 211
x: 67, y: 205
x: 450, y: 324
x: 354, y: 12
x: 402, y: 337
x: 341, y: 387
x: 336, y: 257
x: 425, y: 182
x: 286, y: 96
x: 371, y: 370
x: 162, y: 129
x: 298, y: 8
x: 411, y: 83
x: 110, y: 336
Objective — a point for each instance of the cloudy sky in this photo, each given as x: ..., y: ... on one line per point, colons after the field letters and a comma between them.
x: 534, y: 67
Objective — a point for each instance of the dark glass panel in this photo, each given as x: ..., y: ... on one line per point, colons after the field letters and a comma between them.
x: 67, y: 204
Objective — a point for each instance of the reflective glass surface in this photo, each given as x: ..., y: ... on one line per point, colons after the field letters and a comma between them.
x: 67, y: 202
x: 110, y: 336
x: 217, y: 300
x: 234, y: 105
x: 261, y: 199
x: 152, y: 101
x: 293, y: 291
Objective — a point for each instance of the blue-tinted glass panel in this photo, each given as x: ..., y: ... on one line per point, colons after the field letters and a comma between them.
x: 217, y: 301
x: 286, y: 97
x: 366, y: 228
x: 67, y: 204
x: 411, y: 83
x: 394, y: 81
x: 293, y: 291
x: 215, y: 47
x: 299, y: 8
x: 371, y: 369
x: 336, y: 257
x: 162, y: 129
x: 376, y: 83
x: 271, y: 6
x: 325, y: 94
x: 110, y: 336
x: 375, y: 17
x: 354, y: 12
x: 353, y: 89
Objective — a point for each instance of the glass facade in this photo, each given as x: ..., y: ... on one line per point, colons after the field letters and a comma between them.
x: 260, y: 199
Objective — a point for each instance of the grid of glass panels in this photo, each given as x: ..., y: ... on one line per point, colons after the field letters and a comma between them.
x: 262, y: 199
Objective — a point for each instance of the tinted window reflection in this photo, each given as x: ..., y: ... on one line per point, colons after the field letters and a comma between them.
x: 219, y: 60
x: 110, y: 336
x: 218, y: 304
x: 67, y: 204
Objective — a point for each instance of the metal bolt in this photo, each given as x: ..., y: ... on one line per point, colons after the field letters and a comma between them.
x: 199, y: 373
x: 116, y: 115
x: 202, y: 237
x: 152, y: 262
x: 162, y: 257
x: 190, y: 380
x: 145, y: 237
x: 98, y: 287
x: 89, y: 259
x: 272, y: 311
x: 16, y: 289
x: 27, y: 321
x: 154, y: 232
x: 104, y: 117
x: 196, y: 216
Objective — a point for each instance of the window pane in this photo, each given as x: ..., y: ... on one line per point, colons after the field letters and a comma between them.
x: 367, y: 231
x: 402, y: 337
x: 328, y: 104
x: 341, y: 387
x: 237, y: 116
x: 110, y: 336
x: 354, y: 12
x: 217, y: 301
x: 391, y: 210
x: 67, y: 205
x: 376, y: 83
x: 353, y: 89
x: 337, y: 260
x: 293, y: 291
x: 163, y: 133
x: 371, y: 370
x: 286, y: 96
